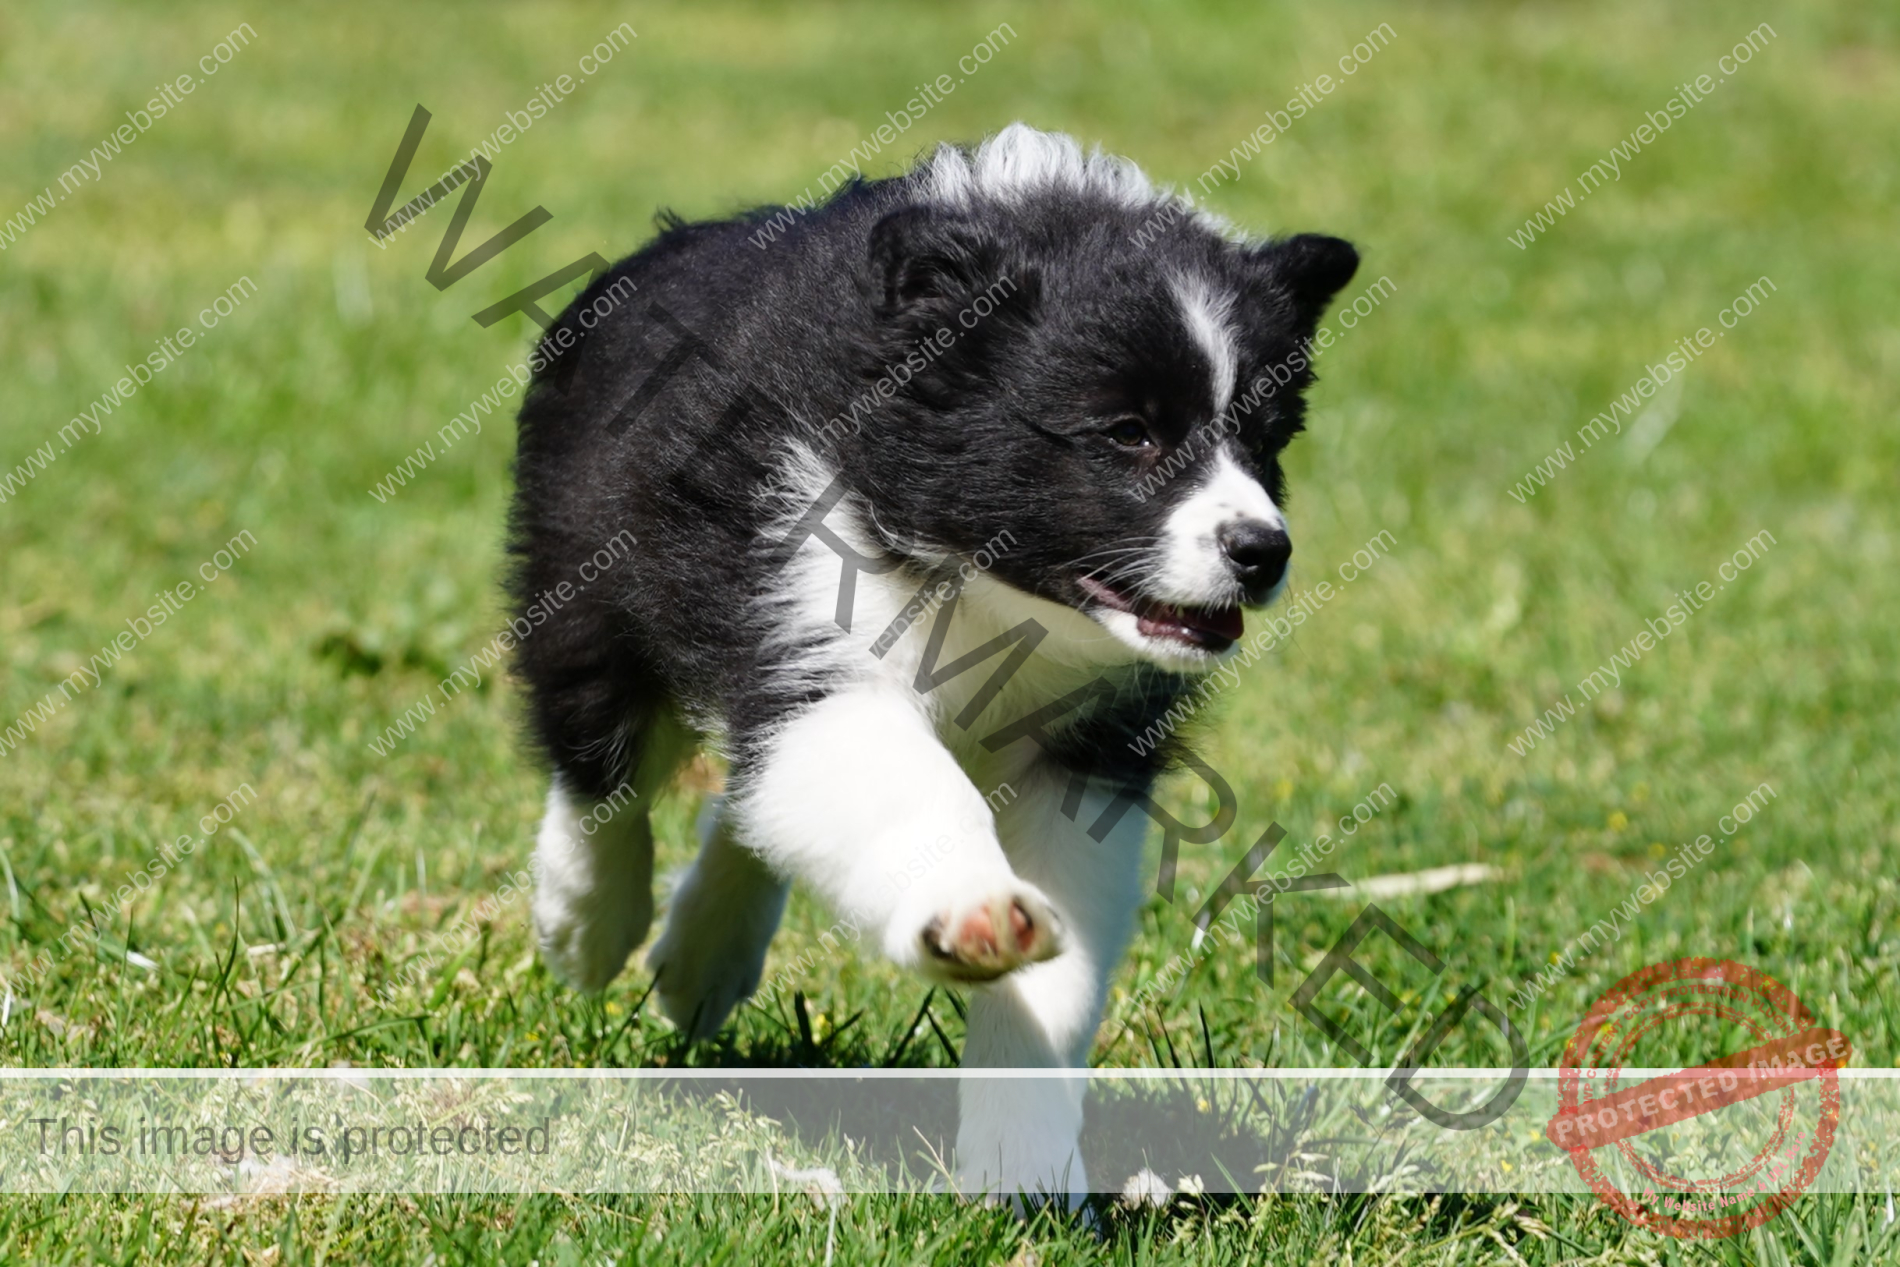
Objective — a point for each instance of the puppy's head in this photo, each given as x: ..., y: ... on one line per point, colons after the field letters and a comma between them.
x: 1101, y: 379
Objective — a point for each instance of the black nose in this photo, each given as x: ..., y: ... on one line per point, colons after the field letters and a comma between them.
x: 1258, y: 553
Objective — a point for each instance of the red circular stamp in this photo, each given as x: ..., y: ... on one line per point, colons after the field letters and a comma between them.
x: 1675, y: 1162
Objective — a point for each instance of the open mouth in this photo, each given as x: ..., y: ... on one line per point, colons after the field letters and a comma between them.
x: 1203, y: 628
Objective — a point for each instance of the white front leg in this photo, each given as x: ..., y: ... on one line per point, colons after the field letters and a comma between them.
x: 718, y: 925
x: 857, y: 796
x: 1021, y: 1135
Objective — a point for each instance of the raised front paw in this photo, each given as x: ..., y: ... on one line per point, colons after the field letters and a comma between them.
x: 988, y: 935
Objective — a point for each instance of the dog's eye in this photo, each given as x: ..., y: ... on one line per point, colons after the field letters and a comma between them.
x: 1129, y: 433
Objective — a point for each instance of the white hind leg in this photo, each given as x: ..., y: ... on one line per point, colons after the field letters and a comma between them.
x: 593, y: 865
x: 593, y: 891
x: 718, y: 925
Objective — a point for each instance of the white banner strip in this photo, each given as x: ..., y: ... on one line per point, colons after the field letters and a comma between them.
x: 882, y: 1130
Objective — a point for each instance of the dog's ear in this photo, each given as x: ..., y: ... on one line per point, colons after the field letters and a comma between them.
x: 1309, y: 270
x: 921, y: 254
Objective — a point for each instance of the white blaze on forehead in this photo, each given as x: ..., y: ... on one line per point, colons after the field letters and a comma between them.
x: 1207, y: 315
x: 1193, y: 566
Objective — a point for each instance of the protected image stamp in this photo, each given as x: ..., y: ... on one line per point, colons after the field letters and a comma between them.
x: 1683, y: 1159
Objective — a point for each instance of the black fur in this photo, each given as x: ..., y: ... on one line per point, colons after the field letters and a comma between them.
x: 1003, y: 431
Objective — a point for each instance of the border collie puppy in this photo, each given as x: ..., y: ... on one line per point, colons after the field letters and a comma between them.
x: 941, y: 496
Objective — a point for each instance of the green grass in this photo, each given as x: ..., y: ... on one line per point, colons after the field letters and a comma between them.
x: 1484, y: 612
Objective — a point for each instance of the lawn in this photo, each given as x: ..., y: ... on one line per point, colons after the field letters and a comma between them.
x: 305, y: 930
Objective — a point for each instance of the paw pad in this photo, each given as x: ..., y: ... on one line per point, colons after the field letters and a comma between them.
x: 998, y: 934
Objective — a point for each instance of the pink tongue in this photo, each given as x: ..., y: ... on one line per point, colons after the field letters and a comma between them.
x: 1224, y: 623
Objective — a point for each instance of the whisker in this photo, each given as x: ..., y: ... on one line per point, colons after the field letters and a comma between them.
x: 1114, y: 551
